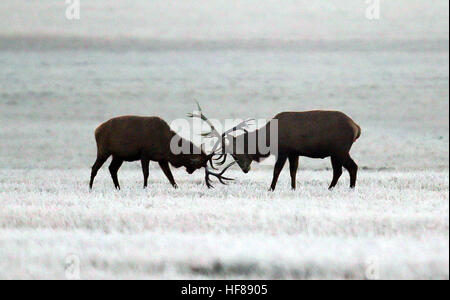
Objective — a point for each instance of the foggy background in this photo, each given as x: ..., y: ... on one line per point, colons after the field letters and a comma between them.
x: 61, y: 78
x: 229, y: 20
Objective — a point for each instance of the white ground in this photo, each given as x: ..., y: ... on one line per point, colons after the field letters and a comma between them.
x: 395, y: 223
x: 390, y: 76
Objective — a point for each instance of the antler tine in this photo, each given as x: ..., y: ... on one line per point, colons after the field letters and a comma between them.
x: 222, y: 157
x: 218, y: 175
x: 211, y: 158
x: 198, y: 105
x: 210, y: 134
x: 213, y: 132
x: 241, y: 126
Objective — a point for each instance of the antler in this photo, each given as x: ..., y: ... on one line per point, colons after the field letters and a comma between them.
x: 218, y: 175
x: 222, y: 157
x: 213, y: 132
x: 220, y: 137
x: 241, y: 126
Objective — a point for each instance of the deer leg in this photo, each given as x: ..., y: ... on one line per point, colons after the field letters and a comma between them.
x: 337, y: 171
x: 97, y: 165
x: 281, y: 160
x: 352, y: 169
x: 145, y: 164
x: 166, y: 169
x: 293, y: 166
x: 113, y: 169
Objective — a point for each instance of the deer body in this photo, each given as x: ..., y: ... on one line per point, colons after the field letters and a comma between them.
x: 315, y: 134
x: 132, y: 138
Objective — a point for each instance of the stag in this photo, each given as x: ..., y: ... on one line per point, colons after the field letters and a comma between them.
x: 314, y: 134
x: 132, y: 138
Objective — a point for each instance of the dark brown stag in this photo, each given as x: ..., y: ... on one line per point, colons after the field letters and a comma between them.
x: 315, y: 134
x: 132, y: 138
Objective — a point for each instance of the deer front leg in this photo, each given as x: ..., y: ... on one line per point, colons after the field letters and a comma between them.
x: 145, y: 165
x: 166, y: 169
x: 97, y: 165
x: 281, y: 160
x: 293, y: 166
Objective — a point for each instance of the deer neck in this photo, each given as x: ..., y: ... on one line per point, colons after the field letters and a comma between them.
x: 256, y: 136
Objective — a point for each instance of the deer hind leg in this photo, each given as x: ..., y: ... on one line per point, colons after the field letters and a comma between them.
x: 337, y: 171
x: 352, y: 169
x: 113, y: 169
x: 166, y: 169
x: 293, y: 166
x: 145, y: 164
x: 281, y: 160
x: 97, y: 165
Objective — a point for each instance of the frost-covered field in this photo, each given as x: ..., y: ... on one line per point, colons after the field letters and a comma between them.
x: 396, y: 223
x: 239, y: 59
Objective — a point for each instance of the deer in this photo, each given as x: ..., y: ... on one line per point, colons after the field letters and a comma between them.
x: 133, y: 138
x: 313, y: 134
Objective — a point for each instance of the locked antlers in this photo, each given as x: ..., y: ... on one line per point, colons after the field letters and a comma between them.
x: 221, y: 178
x: 213, y: 133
